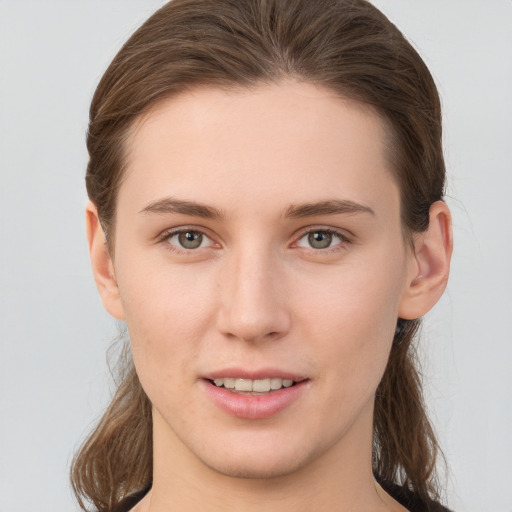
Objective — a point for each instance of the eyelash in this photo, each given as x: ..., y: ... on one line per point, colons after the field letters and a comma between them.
x: 167, y: 235
x: 344, y: 240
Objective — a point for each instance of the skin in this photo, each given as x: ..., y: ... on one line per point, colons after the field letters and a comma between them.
x: 256, y: 294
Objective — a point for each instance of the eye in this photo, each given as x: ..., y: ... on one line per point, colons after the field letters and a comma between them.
x: 321, y: 239
x: 188, y: 239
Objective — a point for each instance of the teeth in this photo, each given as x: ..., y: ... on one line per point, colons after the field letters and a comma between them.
x: 243, y: 385
x: 276, y: 383
x: 257, y: 385
x: 262, y: 385
x: 229, y: 383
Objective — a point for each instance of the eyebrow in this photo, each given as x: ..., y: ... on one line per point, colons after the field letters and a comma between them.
x: 330, y: 207
x: 171, y: 205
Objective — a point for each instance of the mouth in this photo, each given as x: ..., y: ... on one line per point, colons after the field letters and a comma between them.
x: 260, y: 397
x: 256, y: 394
x: 252, y: 386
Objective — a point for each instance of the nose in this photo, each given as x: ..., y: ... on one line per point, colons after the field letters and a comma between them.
x: 253, y: 299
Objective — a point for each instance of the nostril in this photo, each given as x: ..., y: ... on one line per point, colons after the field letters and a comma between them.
x: 273, y: 335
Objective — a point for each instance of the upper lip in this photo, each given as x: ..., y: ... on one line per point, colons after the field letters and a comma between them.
x: 255, y: 374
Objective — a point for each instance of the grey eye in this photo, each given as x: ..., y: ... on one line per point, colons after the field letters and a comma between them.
x: 190, y: 239
x: 320, y: 239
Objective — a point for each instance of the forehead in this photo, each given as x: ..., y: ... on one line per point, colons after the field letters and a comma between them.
x: 292, y: 141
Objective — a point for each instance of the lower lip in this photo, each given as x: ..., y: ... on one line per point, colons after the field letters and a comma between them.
x: 254, y: 407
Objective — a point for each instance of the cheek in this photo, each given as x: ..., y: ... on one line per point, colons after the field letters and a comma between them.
x: 167, y: 312
x: 351, y: 314
x: 361, y: 294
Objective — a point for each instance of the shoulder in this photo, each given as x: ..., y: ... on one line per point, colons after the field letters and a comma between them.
x: 405, y: 497
x: 410, y: 500
x: 130, y: 501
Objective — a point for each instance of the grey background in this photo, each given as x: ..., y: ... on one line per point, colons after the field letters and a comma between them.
x: 53, y: 332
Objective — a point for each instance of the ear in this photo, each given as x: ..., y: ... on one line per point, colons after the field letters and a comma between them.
x: 430, y: 264
x: 102, y: 265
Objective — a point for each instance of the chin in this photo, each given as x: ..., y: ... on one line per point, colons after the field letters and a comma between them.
x: 255, y: 469
x: 260, y: 458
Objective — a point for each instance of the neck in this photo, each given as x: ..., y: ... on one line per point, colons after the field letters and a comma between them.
x: 339, y: 479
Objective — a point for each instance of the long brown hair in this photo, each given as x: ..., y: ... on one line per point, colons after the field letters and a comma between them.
x: 347, y: 46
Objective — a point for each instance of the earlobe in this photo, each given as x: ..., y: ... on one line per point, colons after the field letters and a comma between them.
x: 102, y: 265
x: 431, y: 264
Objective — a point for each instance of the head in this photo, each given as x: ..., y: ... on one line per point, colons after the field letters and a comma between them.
x: 268, y: 112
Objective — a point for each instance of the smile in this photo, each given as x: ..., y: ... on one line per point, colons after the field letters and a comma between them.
x: 256, y: 398
x: 253, y: 386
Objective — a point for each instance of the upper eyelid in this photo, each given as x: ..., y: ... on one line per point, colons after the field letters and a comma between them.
x: 166, y: 235
x: 182, y: 229
x: 337, y: 248
x: 344, y: 234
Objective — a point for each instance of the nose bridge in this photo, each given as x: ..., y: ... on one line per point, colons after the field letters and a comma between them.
x: 252, y: 305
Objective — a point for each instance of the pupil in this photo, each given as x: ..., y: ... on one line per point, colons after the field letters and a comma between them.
x: 190, y: 240
x: 320, y: 240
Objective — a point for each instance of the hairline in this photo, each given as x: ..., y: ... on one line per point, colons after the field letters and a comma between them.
x: 388, y: 132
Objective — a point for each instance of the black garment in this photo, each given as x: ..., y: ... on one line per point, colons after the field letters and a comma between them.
x: 411, y: 500
x: 405, y: 497
x: 130, y: 501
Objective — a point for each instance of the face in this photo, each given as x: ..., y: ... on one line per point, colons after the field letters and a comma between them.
x: 258, y: 245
